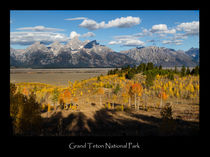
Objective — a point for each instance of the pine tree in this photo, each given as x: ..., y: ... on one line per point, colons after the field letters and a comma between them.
x: 183, y: 71
x: 188, y: 71
x: 160, y: 67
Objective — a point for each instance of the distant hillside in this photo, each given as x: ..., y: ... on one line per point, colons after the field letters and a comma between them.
x: 194, y: 53
x: 160, y: 56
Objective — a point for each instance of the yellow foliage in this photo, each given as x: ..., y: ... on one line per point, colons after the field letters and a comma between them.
x: 101, y: 91
x: 49, y: 107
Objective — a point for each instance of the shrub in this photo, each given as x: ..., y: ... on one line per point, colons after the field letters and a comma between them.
x: 118, y: 108
x: 166, y: 112
x: 129, y: 75
x: 127, y: 109
x: 170, y: 76
x: 168, y: 124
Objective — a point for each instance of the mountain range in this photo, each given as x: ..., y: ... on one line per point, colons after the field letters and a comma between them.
x: 91, y: 54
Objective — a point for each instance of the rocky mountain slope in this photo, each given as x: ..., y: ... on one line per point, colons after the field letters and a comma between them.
x: 91, y: 54
x: 194, y: 53
x: 74, y: 54
x: 160, y: 56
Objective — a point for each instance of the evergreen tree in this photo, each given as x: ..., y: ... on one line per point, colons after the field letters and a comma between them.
x: 175, y: 70
x: 150, y: 77
x: 183, y: 71
x: 197, y: 70
x: 188, y: 71
x: 160, y: 67
x: 150, y: 66
x: 170, y: 76
x: 129, y: 75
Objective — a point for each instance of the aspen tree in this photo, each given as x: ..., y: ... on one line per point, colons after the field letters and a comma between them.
x: 100, y: 92
x: 136, y: 89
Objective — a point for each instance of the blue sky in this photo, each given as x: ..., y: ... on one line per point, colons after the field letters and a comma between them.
x: 117, y: 29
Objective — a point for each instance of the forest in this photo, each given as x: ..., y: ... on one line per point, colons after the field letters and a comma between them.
x: 141, y: 100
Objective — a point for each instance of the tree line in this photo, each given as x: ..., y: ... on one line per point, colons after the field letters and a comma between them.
x: 150, y: 70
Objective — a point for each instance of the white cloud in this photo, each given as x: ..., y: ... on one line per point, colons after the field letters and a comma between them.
x: 179, y: 36
x: 171, y: 31
x: 39, y: 29
x: 85, y: 35
x: 176, y: 42
x: 76, y: 18
x: 114, y: 42
x: 133, y: 42
x: 91, y: 24
x: 122, y: 22
x: 190, y: 28
x: 88, y: 34
x: 162, y: 28
x: 159, y: 27
x: 127, y: 41
x: 28, y: 38
x: 74, y: 34
x: 125, y: 37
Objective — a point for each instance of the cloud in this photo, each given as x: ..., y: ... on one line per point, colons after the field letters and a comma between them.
x: 127, y: 42
x: 74, y: 34
x: 85, y: 35
x: 115, y: 42
x: 176, y: 42
x: 76, y: 18
x: 39, y: 29
x: 28, y: 38
x: 88, y: 34
x: 159, y: 27
x: 151, y: 41
x: 123, y: 22
x: 162, y: 28
x: 133, y: 42
x: 91, y: 24
x: 190, y: 28
x: 179, y: 36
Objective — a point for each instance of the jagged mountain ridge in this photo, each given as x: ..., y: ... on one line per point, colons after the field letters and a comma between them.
x: 194, y: 53
x: 91, y: 54
x: 160, y: 56
x: 74, y: 54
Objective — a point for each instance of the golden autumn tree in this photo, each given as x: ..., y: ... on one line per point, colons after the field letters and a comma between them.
x: 55, y: 95
x: 163, y: 96
x: 100, y: 92
x: 25, y: 91
x: 25, y: 113
x: 136, y: 89
x: 128, y: 92
x: 66, y: 96
x: 125, y: 98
